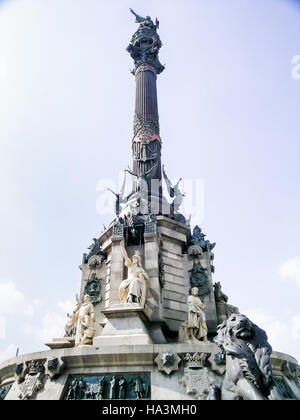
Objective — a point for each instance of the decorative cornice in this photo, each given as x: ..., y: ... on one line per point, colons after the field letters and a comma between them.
x: 150, y: 124
x: 144, y: 67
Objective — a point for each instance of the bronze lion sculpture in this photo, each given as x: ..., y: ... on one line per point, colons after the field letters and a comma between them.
x: 248, y: 373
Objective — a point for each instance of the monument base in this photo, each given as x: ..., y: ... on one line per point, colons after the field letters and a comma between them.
x: 126, y: 324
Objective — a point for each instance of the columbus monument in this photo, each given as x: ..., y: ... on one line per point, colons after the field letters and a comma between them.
x: 149, y: 321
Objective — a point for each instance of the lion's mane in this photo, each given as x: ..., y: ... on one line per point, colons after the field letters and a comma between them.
x: 253, y: 352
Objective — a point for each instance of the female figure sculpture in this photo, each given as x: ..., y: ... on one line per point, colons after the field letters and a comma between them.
x: 133, y: 289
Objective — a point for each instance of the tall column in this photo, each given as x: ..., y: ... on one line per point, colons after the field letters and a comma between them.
x: 146, y: 143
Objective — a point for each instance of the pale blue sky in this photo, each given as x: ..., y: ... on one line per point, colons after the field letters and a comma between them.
x: 229, y: 115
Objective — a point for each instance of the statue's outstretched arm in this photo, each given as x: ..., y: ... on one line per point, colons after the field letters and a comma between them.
x: 112, y: 191
x: 123, y: 186
x: 137, y: 17
x: 125, y: 255
x: 149, y: 174
x: 168, y: 183
x: 131, y: 173
x: 145, y: 275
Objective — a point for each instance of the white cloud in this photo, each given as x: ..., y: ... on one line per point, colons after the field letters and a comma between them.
x: 2, y: 327
x: 37, y: 302
x: 11, y: 299
x: 9, y: 352
x: 3, y: 68
x: 290, y: 269
x: 29, y: 310
x: 47, y: 323
x: 66, y: 306
x: 277, y: 330
x: 296, y: 327
x: 283, y: 335
x: 52, y: 327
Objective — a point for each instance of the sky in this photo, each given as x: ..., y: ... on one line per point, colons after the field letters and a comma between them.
x: 229, y: 102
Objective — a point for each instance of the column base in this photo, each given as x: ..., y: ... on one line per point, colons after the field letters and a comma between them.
x: 126, y: 324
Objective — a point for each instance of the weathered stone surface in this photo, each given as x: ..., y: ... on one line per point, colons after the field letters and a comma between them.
x: 173, y: 296
x: 167, y: 362
x: 125, y: 358
x: 177, y: 306
x: 125, y: 323
x: 60, y: 343
x: 177, y: 288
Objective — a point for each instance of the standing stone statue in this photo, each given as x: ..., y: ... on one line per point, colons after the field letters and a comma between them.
x: 196, y: 317
x: 147, y: 21
x: 133, y: 289
x: 194, y: 329
x: 85, y: 329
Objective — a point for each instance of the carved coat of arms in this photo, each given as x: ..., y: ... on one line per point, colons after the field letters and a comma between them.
x: 33, y: 381
x: 195, y: 375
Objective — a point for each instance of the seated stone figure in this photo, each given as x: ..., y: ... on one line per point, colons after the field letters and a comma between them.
x: 133, y: 289
x: 198, y: 238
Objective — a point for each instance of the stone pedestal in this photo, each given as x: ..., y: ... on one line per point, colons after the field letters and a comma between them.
x: 61, y: 343
x: 126, y: 324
